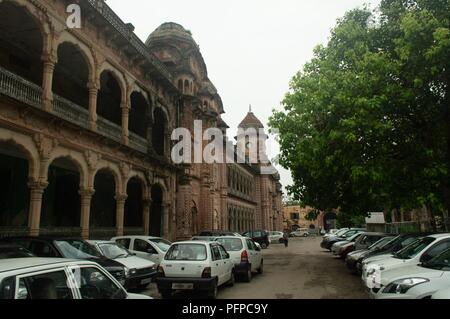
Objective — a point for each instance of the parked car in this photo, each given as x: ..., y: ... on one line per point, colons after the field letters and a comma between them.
x: 147, y: 247
x: 443, y: 294
x: 276, y: 237
x: 70, y: 249
x: 420, y: 251
x: 139, y: 271
x: 259, y: 236
x: 49, y: 278
x: 353, y: 257
x: 203, y: 238
x: 337, y: 233
x: 328, y: 242
x: 217, y: 233
x: 338, y: 248
x: 363, y: 241
x: 9, y: 251
x: 415, y: 281
x: 195, y: 266
x: 302, y: 232
x: 395, y: 245
x: 245, y: 254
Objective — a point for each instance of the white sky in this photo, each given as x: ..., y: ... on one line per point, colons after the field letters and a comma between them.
x: 252, y: 48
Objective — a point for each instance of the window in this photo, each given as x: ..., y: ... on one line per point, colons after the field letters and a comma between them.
x: 231, y: 244
x: 143, y: 246
x: 77, y: 249
x: 223, y: 253
x: 187, y: 252
x: 124, y: 242
x: 257, y: 234
x: 295, y: 216
x: 215, y: 253
x: 414, y: 248
x: 163, y: 244
x: 7, y: 288
x: 436, y: 250
x: 250, y: 244
x: 42, y: 249
x: 113, y: 251
x: 94, y: 284
x: 52, y: 285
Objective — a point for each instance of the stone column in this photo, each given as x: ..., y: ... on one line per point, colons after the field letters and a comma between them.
x: 120, y: 211
x: 125, y: 120
x: 146, y: 202
x: 34, y: 220
x: 86, y: 197
x: 49, y: 62
x: 93, y: 95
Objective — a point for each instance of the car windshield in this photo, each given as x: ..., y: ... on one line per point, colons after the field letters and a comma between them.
x: 381, y: 243
x: 440, y: 262
x: 162, y: 244
x: 413, y: 249
x: 354, y: 237
x: 8, y: 252
x: 231, y: 244
x: 187, y: 252
x: 77, y: 249
x: 113, y: 251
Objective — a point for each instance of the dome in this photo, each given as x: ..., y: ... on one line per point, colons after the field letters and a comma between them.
x: 171, y: 30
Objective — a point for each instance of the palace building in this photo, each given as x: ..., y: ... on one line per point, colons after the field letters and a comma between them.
x: 86, y: 117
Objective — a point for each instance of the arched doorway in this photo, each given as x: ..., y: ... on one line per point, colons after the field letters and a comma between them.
x: 20, y: 42
x: 156, y: 212
x: 61, y: 200
x: 133, y: 216
x: 102, y: 220
x: 329, y: 221
x: 109, y: 98
x: 158, y: 132
x: 71, y: 75
x: 14, y: 192
x: 138, y: 115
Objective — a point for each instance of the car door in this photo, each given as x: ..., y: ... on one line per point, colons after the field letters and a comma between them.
x: 257, y: 256
x: 124, y: 242
x: 227, y: 264
x: 144, y: 249
x: 217, y: 266
x: 44, y: 285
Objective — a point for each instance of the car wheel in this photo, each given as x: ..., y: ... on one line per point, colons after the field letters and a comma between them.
x: 305, y: 235
x: 166, y: 294
x: 248, y: 275
x: 261, y: 267
x: 232, y: 279
x: 215, y: 289
x: 264, y: 246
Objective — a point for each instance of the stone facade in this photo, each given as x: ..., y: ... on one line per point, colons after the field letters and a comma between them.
x: 295, y: 217
x: 86, y: 117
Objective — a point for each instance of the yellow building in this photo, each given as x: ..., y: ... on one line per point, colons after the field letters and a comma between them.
x: 296, y: 217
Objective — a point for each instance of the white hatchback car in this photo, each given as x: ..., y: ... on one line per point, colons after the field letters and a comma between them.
x: 57, y: 278
x: 419, y: 251
x: 245, y: 254
x: 276, y: 237
x: 147, y: 247
x: 195, y: 266
x: 415, y: 282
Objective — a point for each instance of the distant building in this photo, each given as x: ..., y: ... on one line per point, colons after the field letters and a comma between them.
x: 295, y: 217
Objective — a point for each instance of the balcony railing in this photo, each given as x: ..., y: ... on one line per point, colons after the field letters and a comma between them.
x: 138, y: 143
x: 70, y: 111
x: 109, y: 129
x: 20, y: 89
x: 110, y: 16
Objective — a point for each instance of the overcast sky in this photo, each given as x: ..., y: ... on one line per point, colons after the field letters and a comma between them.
x: 252, y: 48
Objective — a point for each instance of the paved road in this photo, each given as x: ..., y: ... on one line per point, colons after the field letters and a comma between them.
x: 301, y: 271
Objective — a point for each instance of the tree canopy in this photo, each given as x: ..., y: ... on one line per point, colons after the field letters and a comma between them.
x: 366, y: 124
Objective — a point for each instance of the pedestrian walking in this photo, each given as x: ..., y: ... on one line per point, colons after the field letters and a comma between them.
x: 286, y: 239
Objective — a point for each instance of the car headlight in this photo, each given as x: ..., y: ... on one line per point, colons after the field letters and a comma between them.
x: 403, y: 285
x: 127, y: 271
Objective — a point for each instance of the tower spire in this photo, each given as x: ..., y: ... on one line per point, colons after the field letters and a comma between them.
x: 250, y: 109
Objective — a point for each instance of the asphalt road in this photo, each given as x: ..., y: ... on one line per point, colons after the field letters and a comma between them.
x: 301, y: 271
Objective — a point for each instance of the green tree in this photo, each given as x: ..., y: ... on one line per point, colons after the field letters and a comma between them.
x: 366, y: 123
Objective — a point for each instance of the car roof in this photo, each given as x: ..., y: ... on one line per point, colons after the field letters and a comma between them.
x: 101, y: 242
x: 440, y: 236
x: 232, y: 237
x: 193, y: 242
x: 31, y: 262
x: 138, y: 237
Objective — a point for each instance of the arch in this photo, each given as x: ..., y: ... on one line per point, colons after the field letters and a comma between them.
x: 85, y: 51
x: 117, y: 75
x: 25, y: 40
x: 61, y: 203
x: 134, y: 204
x: 111, y: 97
x: 103, y: 203
x: 26, y: 145
x: 186, y: 87
x: 141, y: 177
x: 114, y: 170
x: 72, y: 74
x: 138, y: 122
x: 180, y: 85
x: 160, y: 127
x: 78, y: 160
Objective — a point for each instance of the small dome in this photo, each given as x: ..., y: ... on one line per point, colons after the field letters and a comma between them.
x: 170, y: 30
x: 251, y: 121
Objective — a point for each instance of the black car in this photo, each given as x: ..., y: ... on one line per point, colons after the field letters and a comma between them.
x: 259, y: 236
x: 8, y: 251
x: 68, y: 248
x: 395, y: 245
x: 328, y: 242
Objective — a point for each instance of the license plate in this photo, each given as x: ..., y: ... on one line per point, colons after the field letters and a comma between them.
x: 183, y: 286
x: 146, y: 281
